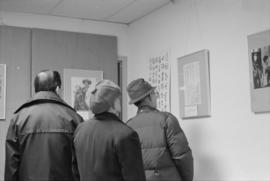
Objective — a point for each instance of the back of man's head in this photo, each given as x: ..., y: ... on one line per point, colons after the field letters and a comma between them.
x: 104, y: 96
x: 47, y: 80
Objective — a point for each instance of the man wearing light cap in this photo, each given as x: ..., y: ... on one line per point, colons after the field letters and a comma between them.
x: 106, y: 148
x: 166, y: 153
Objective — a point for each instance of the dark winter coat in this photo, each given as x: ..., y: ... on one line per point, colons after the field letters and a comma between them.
x: 108, y: 150
x: 39, y: 140
x: 166, y: 153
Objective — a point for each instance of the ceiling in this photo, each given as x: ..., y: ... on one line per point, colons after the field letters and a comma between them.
x: 116, y: 11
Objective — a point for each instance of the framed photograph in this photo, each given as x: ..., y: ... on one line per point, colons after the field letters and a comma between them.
x: 259, y: 71
x: 194, y: 85
x: 2, y: 91
x: 78, y: 85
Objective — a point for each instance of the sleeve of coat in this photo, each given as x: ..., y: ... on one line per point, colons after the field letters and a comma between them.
x: 12, y: 162
x: 130, y: 158
x: 75, y: 169
x: 179, y: 148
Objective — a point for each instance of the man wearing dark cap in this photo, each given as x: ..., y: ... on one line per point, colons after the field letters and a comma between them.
x: 166, y: 153
x: 40, y: 135
x: 106, y: 148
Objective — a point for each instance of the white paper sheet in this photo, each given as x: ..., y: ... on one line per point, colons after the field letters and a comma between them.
x: 192, y: 88
x: 159, y: 76
x: 191, y: 111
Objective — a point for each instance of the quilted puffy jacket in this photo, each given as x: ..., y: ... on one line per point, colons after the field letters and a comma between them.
x: 166, y: 153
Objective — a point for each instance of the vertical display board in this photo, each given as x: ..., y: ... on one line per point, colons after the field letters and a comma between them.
x: 2, y: 91
x: 259, y: 70
x: 194, y: 85
x: 159, y: 76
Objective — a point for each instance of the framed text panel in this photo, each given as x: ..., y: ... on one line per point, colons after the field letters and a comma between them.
x: 194, y: 85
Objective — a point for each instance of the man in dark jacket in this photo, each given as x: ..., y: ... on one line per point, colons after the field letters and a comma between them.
x: 166, y: 153
x: 40, y: 135
x: 106, y: 148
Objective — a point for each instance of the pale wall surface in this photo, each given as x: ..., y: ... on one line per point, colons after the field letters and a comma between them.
x: 234, y: 143
x: 66, y: 24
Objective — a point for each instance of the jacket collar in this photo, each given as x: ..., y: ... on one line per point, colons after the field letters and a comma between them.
x: 106, y: 116
x: 146, y: 108
x: 43, y: 97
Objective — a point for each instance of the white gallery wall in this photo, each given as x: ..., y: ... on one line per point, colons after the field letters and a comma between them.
x: 234, y: 143
x: 66, y: 24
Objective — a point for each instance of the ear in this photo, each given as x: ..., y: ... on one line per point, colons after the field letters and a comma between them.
x: 150, y: 98
x: 57, y: 90
x: 115, y: 102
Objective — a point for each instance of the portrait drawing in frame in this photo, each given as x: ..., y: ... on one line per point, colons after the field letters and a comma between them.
x: 78, y: 85
x: 259, y: 71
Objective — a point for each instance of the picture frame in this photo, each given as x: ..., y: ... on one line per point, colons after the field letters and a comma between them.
x: 259, y: 71
x: 159, y: 77
x: 2, y: 91
x: 78, y: 85
x: 194, y: 85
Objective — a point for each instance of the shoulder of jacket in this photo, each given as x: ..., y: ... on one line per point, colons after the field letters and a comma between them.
x: 129, y: 121
x: 168, y: 115
x: 125, y: 130
x: 170, y: 118
x: 85, y: 124
x: 41, y: 101
x: 15, y: 118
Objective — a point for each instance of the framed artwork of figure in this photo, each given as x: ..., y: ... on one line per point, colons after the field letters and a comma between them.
x: 259, y: 71
x: 78, y: 85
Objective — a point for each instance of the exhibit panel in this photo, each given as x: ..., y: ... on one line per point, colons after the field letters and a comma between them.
x: 259, y: 68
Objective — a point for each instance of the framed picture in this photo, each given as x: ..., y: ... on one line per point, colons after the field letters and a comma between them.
x: 194, y: 85
x: 2, y: 91
x: 259, y: 71
x: 159, y: 77
x: 78, y: 85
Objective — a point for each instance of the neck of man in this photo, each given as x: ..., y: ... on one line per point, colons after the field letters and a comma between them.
x: 147, y: 102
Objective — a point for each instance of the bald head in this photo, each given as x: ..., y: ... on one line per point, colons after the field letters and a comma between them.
x: 47, y: 80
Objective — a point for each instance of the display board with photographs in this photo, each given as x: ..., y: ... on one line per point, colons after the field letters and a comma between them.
x: 259, y: 61
x: 260, y: 67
